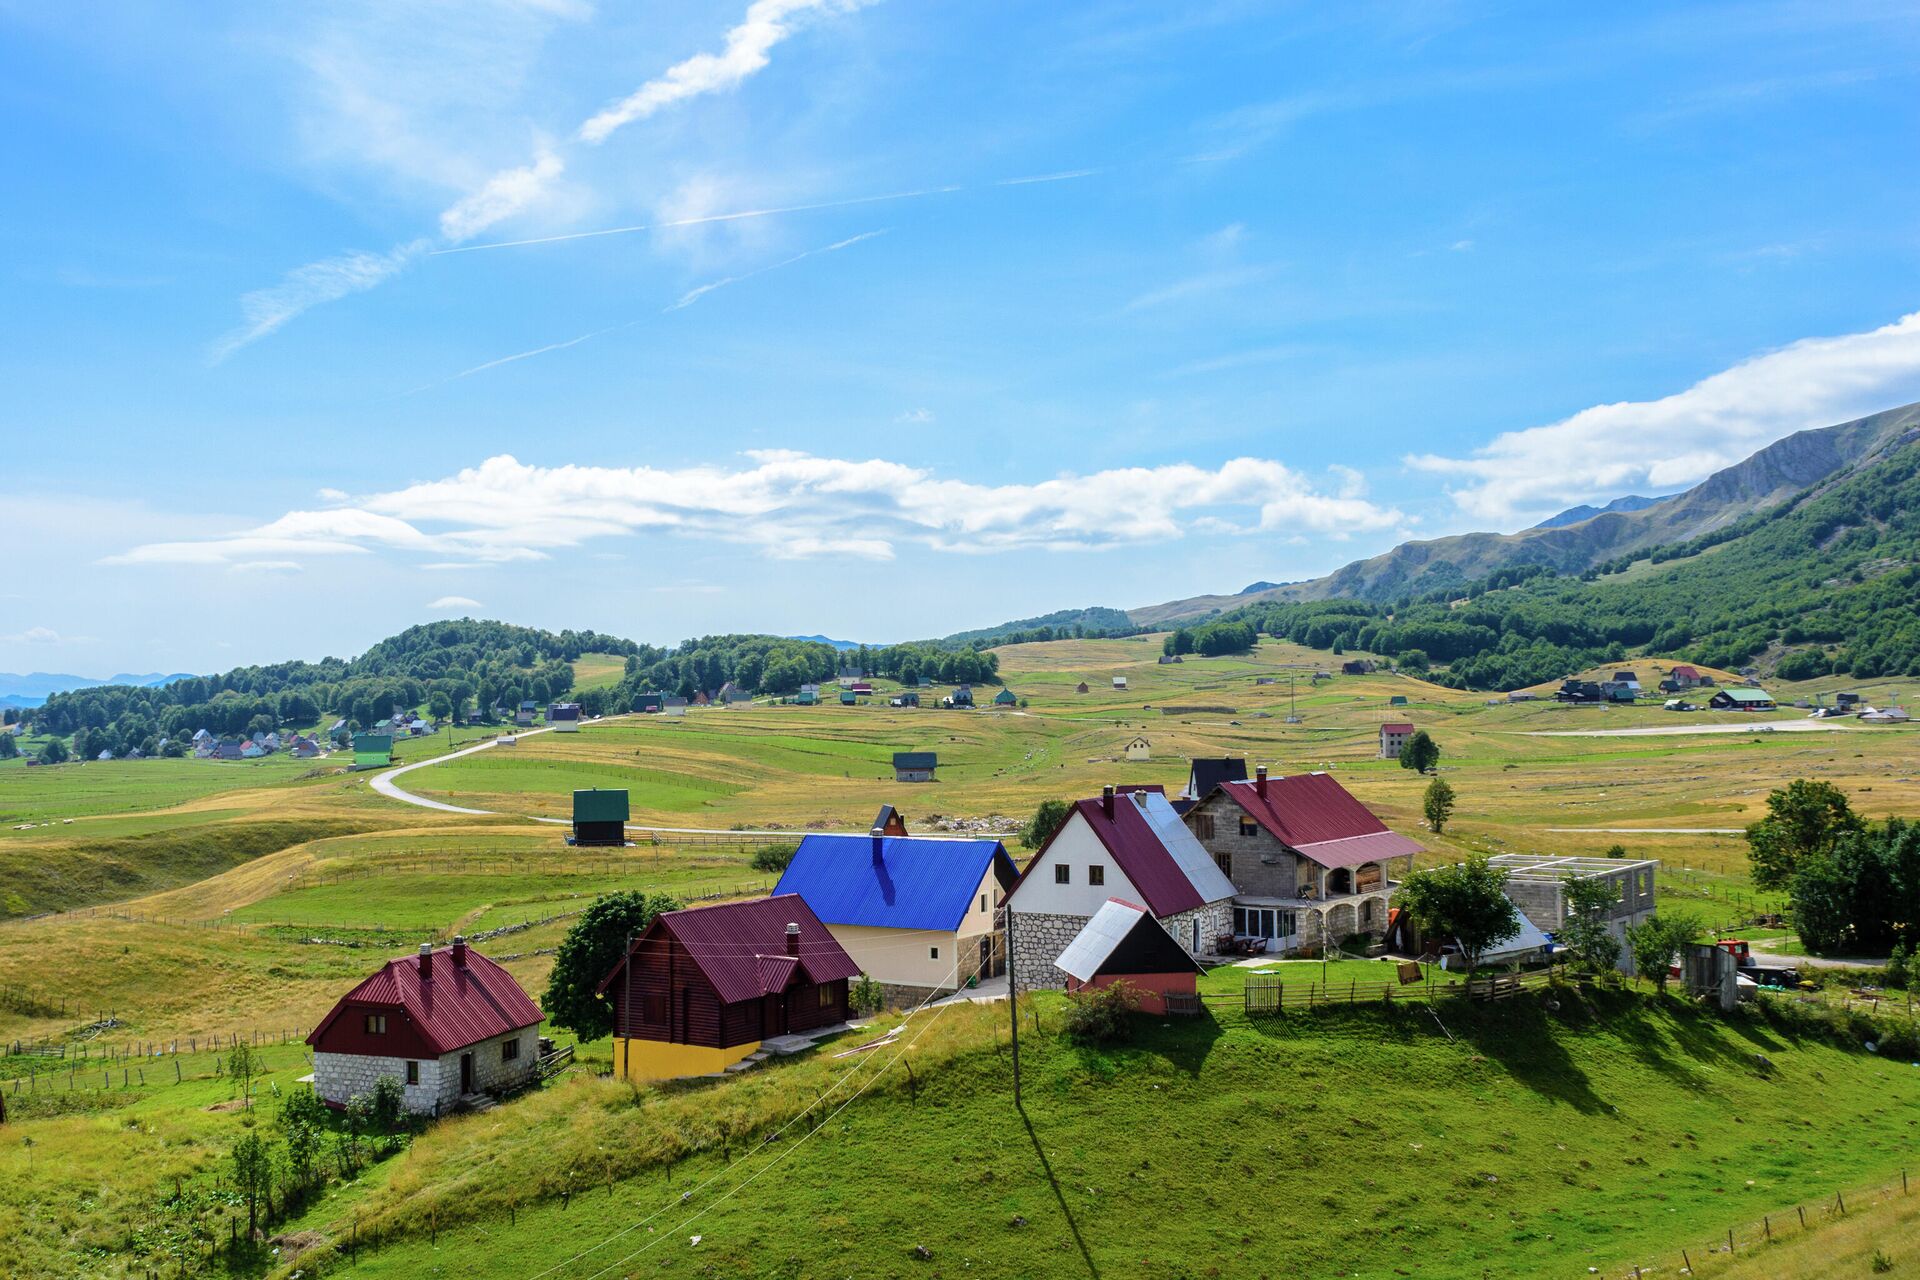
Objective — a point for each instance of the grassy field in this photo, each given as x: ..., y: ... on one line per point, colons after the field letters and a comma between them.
x: 1535, y: 1144
x: 203, y: 898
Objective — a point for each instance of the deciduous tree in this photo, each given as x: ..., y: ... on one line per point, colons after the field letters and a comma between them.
x: 592, y: 947
x: 1438, y: 805
x: 1466, y: 901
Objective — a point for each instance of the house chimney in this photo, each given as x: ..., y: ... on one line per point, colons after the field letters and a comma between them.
x: 426, y: 962
x: 793, y: 939
x: 1260, y: 779
x: 459, y: 951
x: 1106, y: 800
x: 1139, y: 797
x: 878, y: 835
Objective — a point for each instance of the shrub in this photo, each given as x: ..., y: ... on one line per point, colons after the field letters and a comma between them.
x: 773, y: 858
x: 1102, y: 1015
x: 865, y: 996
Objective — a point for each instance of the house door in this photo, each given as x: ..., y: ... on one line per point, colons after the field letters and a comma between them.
x: 986, y: 957
x: 466, y: 1073
x: 773, y: 1020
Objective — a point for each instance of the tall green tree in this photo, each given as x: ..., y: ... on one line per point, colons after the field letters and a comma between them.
x: 9, y: 749
x: 592, y: 947
x: 1420, y: 753
x: 301, y: 1121
x: 1803, y: 820
x: 1652, y: 943
x: 1438, y: 804
x: 1588, y: 904
x: 1466, y: 901
x: 252, y: 1175
x: 1046, y: 820
x: 53, y: 751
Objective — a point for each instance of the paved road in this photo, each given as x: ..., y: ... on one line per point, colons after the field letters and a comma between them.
x: 1676, y: 730
x: 384, y: 783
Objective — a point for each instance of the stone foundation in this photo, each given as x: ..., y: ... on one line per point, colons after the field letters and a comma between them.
x: 338, y: 1078
x: 1040, y: 937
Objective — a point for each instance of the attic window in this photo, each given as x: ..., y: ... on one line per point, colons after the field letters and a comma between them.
x: 983, y: 902
x: 1096, y: 874
x: 1248, y: 827
x: 1063, y: 874
x: 1203, y: 825
x: 376, y: 1024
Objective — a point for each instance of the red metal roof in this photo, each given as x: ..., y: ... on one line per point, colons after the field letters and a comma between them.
x: 1138, y: 851
x: 1312, y: 814
x: 1684, y: 669
x: 742, y: 946
x: 1396, y: 727
x: 462, y: 1005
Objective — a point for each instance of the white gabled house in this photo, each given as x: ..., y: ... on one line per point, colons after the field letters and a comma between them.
x: 1129, y: 843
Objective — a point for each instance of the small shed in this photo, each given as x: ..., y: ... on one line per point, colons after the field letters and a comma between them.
x: 526, y: 712
x: 1122, y: 942
x: 600, y: 817
x: 915, y: 766
x: 1734, y: 699
x: 1397, y: 700
x: 1139, y: 749
x: 1005, y: 698
x: 648, y: 703
x: 849, y: 698
x: 372, y: 750
x: 907, y: 699
x: 564, y: 717
x: 1119, y: 682
x: 889, y: 822
x: 673, y: 706
x: 1081, y: 687
x: 961, y: 697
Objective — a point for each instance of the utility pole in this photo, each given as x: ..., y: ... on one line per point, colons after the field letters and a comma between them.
x: 1013, y: 1006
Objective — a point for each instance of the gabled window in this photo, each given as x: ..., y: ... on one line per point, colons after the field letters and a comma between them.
x: 1096, y: 874
x: 1224, y: 861
x: 1062, y: 873
x: 1203, y: 826
x: 376, y: 1024
x: 983, y: 902
x: 1248, y: 827
x: 933, y: 953
x: 509, y: 1050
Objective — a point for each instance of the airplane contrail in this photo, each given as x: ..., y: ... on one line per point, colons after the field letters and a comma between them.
x: 852, y: 201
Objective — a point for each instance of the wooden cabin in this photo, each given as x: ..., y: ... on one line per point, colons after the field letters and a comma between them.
x: 701, y: 989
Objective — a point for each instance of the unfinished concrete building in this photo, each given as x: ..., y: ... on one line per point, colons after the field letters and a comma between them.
x: 1537, y: 884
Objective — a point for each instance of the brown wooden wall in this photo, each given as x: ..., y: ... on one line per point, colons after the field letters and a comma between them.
x: 690, y: 1007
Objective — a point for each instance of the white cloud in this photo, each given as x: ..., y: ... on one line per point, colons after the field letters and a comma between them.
x: 791, y: 505
x: 1678, y: 440
x: 746, y: 52
x: 915, y: 417
x: 34, y: 635
x: 332, y: 495
x: 264, y: 566
x: 454, y: 602
x: 330, y: 279
x: 505, y: 194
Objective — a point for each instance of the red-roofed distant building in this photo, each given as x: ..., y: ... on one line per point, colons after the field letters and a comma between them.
x: 1309, y: 863
x: 448, y: 1024
x: 1392, y: 738
x: 701, y: 989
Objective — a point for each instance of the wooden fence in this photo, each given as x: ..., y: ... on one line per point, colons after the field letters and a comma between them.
x: 1267, y: 994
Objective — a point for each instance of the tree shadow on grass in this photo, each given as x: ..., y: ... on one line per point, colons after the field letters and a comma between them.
x: 1066, y: 1210
x: 1524, y: 1039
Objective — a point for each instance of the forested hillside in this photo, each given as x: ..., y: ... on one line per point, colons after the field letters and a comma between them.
x: 775, y: 665
x: 1833, y: 573
x: 444, y: 665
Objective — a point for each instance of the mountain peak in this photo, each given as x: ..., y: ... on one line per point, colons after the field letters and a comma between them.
x: 1574, y: 515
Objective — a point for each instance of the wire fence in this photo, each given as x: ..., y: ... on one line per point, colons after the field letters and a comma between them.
x: 1266, y: 994
x: 1772, y: 1228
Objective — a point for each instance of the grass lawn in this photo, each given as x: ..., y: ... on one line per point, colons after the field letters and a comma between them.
x: 1537, y: 1144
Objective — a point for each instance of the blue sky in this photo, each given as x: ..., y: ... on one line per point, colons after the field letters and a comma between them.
x: 911, y: 317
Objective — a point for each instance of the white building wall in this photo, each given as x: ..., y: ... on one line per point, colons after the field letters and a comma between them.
x: 1079, y: 848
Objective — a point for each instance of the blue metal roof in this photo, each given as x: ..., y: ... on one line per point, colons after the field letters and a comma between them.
x: 916, y: 882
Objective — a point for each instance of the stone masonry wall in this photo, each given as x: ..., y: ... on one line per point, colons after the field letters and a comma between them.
x: 339, y: 1078
x: 1040, y: 937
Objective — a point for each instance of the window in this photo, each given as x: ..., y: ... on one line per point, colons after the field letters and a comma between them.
x: 509, y: 1050
x: 1096, y: 874
x: 1203, y: 825
x: 653, y: 1007
x: 933, y: 953
x: 413, y: 1073
x: 826, y: 997
x: 376, y: 1024
x: 1248, y: 827
x: 983, y: 902
x: 1224, y: 861
x: 1062, y: 873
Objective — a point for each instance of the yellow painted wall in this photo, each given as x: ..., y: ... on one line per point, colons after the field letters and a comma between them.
x: 642, y: 1061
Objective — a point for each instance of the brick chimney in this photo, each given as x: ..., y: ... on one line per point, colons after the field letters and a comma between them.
x: 793, y: 939
x: 426, y: 962
x: 1260, y: 780
x: 459, y: 951
x: 1106, y: 800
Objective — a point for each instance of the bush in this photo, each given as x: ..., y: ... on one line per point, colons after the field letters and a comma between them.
x: 865, y: 996
x: 773, y: 858
x: 1103, y: 1015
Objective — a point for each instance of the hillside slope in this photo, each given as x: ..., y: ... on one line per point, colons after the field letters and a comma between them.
x: 1776, y: 473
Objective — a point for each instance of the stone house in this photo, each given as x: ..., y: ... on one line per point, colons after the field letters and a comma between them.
x: 450, y: 1025
x: 1394, y: 736
x: 1128, y: 843
x: 1310, y: 865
